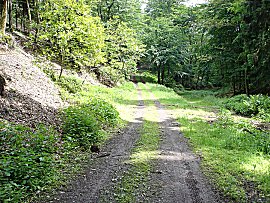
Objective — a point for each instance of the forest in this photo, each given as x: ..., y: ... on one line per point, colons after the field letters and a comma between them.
x: 203, y: 68
x: 220, y: 44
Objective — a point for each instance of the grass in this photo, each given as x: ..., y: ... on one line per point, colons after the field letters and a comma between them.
x: 123, y: 97
x: 235, y: 154
x: 230, y: 157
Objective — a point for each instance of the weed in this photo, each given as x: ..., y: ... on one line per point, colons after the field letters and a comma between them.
x: 26, y: 155
x: 250, y: 106
x: 70, y: 84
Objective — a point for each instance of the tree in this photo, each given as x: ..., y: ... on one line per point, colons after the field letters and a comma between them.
x: 69, y: 35
x: 3, y: 16
x: 122, y: 51
x: 165, y: 39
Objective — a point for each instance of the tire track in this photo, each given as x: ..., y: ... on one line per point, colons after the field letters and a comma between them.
x: 178, y: 178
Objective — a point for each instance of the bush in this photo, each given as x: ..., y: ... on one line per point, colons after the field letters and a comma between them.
x: 149, y: 77
x: 26, y: 156
x: 84, y: 124
x: 70, y: 84
x: 249, y: 106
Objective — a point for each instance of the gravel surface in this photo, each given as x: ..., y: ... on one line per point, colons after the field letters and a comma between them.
x: 30, y: 96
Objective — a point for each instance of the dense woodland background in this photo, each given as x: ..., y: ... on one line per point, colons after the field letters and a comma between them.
x: 221, y: 44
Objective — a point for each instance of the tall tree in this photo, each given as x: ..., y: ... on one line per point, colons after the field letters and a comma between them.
x: 3, y: 16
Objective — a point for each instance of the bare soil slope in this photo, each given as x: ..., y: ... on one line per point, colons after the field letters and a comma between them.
x: 30, y: 96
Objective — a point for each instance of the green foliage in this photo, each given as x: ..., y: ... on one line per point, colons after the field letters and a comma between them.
x: 26, y: 156
x: 7, y: 39
x: 127, y: 11
x: 84, y: 124
x: 148, y: 77
x: 70, y: 84
x: 249, y: 106
x: 122, y: 49
x: 73, y: 36
x: 244, y: 136
x: 68, y: 34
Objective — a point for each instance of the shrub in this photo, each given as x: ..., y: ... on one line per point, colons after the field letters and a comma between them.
x: 249, y: 106
x: 26, y: 156
x: 105, y: 113
x: 84, y: 124
x: 149, y: 77
x: 70, y: 84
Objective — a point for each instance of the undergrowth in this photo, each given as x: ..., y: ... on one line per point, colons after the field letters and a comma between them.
x: 26, y: 156
x: 85, y: 124
x: 255, y: 105
x: 71, y: 84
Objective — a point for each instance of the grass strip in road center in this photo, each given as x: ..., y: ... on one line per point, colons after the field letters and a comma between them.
x: 134, y: 183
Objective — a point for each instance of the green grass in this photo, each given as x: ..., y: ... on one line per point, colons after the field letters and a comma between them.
x: 123, y: 97
x: 235, y: 153
x: 231, y: 157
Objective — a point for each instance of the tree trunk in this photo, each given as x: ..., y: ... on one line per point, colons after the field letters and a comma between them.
x: 23, y: 17
x: 37, y: 20
x: 10, y: 22
x: 61, y: 70
x: 17, y: 14
x: 162, y: 75
x: 3, y: 16
x: 159, y: 80
x: 246, y: 83
x: 29, y: 15
x: 234, y: 88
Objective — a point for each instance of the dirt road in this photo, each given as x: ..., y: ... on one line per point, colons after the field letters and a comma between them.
x: 177, y: 177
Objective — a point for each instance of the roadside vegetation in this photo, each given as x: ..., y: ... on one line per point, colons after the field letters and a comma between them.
x: 28, y: 154
x: 221, y: 45
x: 235, y: 150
